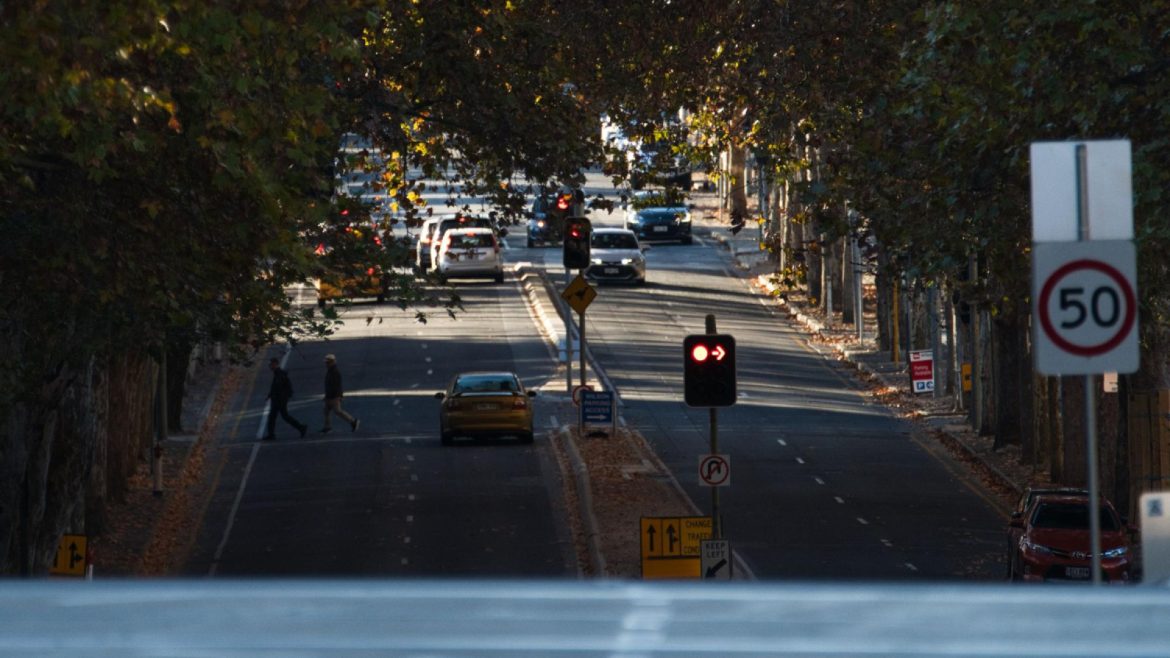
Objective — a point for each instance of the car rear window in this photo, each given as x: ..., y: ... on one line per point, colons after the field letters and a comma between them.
x: 467, y: 222
x: 459, y: 240
x: 614, y: 241
x: 486, y: 384
x: 1070, y: 516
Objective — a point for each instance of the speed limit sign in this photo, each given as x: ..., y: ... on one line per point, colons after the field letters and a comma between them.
x: 1084, y: 307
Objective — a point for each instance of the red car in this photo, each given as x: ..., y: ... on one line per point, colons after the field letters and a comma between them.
x: 1052, y: 540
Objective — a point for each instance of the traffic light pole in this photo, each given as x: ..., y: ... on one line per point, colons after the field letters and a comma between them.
x: 581, y: 332
x: 716, y: 526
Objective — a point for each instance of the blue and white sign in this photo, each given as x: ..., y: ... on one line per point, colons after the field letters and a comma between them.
x: 597, y: 407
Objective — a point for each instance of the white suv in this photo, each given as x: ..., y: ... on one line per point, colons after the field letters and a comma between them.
x: 470, y: 252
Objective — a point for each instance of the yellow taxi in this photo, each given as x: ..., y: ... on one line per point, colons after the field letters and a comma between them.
x: 349, y: 282
x: 485, y: 404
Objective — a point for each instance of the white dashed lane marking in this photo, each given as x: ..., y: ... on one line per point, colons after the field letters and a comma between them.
x: 819, y: 481
x: 862, y: 521
x: 839, y: 499
x: 799, y: 460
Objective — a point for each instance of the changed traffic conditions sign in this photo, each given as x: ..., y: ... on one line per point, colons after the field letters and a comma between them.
x: 1084, y: 307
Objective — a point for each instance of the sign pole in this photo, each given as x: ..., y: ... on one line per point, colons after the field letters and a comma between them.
x: 582, y: 333
x: 1082, y: 155
x: 568, y: 338
x: 716, y: 525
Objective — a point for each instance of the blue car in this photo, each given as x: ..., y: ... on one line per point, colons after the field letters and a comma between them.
x: 663, y: 223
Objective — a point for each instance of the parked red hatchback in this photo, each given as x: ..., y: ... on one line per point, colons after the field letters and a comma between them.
x: 1053, y: 541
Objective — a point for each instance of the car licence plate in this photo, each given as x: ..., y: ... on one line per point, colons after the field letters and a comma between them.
x: 661, y: 229
x: 611, y: 270
x: 485, y: 406
x: 1080, y: 573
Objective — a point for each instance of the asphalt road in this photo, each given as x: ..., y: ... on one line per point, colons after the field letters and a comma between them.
x: 824, y: 484
x: 388, y: 500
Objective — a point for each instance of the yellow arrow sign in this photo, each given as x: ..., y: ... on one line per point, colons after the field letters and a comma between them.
x: 579, y: 294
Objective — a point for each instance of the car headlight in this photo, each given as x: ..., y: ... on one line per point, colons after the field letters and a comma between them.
x: 629, y: 261
x: 1116, y: 552
x: 684, y: 218
x: 595, y: 261
x: 1036, y: 548
x: 540, y: 224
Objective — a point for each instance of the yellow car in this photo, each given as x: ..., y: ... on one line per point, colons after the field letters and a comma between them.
x: 485, y: 404
x: 367, y: 284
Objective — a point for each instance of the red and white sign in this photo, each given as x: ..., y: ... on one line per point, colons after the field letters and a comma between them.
x: 1085, y: 307
x: 922, y: 371
x: 715, y: 470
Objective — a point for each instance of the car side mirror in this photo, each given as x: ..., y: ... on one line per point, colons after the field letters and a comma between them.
x: 440, y: 395
x: 645, y: 248
x: 531, y: 394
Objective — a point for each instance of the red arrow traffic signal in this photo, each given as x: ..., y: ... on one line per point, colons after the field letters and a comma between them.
x: 709, y: 370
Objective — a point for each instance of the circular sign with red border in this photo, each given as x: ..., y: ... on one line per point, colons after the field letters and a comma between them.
x: 1097, y: 306
x: 577, y: 392
x: 714, y: 470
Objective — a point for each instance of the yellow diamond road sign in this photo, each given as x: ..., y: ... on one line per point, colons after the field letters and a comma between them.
x: 579, y: 294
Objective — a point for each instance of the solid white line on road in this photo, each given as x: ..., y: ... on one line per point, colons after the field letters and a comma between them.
x: 862, y: 521
x: 819, y: 481
x: 799, y: 460
x: 227, y: 531
x: 839, y: 499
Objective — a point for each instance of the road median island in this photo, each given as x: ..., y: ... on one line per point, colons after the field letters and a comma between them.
x: 625, y: 483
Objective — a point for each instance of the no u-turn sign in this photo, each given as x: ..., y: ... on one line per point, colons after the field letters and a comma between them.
x: 1084, y: 305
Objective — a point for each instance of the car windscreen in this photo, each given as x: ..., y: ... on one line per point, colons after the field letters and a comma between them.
x: 658, y: 215
x: 1070, y: 516
x: 486, y: 384
x: 614, y: 241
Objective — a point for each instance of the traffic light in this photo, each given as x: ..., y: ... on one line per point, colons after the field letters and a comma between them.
x: 709, y: 370
x: 565, y: 202
x: 578, y: 232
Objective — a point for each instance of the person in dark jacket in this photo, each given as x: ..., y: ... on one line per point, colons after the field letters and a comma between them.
x: 333, y: 394
x: 279, y: 394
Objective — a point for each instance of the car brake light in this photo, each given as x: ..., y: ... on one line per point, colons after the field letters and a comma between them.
x: 370, y: 271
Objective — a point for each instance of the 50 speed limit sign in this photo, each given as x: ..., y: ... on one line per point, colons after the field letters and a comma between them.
x: 1084, y: 307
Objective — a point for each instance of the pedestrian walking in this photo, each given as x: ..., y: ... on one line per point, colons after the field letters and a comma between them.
x: 333, y: 394
x: 279, y: 394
